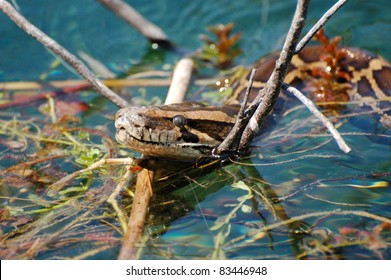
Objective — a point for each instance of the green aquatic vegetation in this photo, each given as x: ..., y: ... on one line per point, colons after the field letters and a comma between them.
x: 223, y: 223
x: 44, y: 149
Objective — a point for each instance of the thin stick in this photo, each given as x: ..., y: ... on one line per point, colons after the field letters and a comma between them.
x: 56, y: 186
x: 321, y: 22
x: 227, y: 143
x: 258, y: 235
x: 56, y: 48
x: 116, y: 193
x: 153, y: 82
x: 310, y: 105
x: 138, y: 215
x: 247, y: 93
x: 24, y: 165
x: 180, y: 81
x: 327, y: 213
x: 131, y: 16
x: 267, y: 97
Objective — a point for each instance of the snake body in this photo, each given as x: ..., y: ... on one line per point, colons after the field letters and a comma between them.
x: 188, y: 131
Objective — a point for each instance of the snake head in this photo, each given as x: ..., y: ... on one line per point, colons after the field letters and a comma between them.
x: 183, y: 131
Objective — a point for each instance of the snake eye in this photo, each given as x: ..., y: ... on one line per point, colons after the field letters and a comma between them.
x: 179, y: 121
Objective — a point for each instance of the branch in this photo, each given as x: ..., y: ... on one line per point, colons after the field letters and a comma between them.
x: 142, y: 25
x: 58, y: 185
x: 232, y: 140
x: 268, y: 96
x: 321, y: 22
x: 310, y: 105
x: 127, y: 82
x: 56, y: 48
x: 137, y: 216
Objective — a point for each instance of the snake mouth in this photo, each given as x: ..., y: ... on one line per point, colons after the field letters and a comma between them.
x: 148, y: 143
x: 155, y: 131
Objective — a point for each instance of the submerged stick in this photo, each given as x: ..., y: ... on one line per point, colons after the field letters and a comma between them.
x: 310, y: 105
x: 122, y: 185
x: 128, y: 82
x: 138, y: 215
x: 56, y: 48
x: 58, y: 185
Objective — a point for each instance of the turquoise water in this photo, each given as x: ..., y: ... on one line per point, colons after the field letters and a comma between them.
x: 309, y: 174
x: 89, y: 27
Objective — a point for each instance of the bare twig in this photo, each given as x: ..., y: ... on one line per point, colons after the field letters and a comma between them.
x: 310, y: 105
x: 321, y: 22
x: 287, y: 222
x: 131, y: 82
x: 56, y: 48
x: 268, y: 96
x: 116, y: 193
x: 237, y: 129
x: 247, y: 93
x: 180, y: 81
x: 56, y: 186
x: 131, y: 16
x: 25, y: 165
x: 358, y: 213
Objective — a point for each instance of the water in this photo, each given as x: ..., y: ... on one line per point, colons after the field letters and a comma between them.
x: 327, y: 191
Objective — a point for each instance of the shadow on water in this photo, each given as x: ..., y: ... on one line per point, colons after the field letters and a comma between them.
x: 262, y: 217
